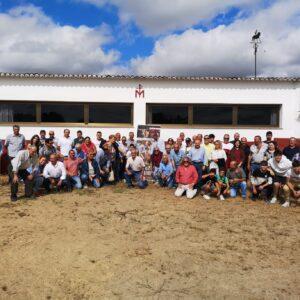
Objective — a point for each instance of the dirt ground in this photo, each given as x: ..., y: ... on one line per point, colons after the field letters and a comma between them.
x: 116, y: 243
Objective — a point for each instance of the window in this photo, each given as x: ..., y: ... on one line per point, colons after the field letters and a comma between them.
x: 222, y: 115
x: 168, y: 114
x: 110, y: 113
x: 210, y: 114
x: 61, y: 113
x: 258, y: 115
x: 17, y: 112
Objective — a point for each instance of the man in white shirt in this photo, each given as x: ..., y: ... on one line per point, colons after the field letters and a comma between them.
x: 131, y: 140
x: 55, y: 174
x: 65, y: 143
x: 135, y: 168
x: 257, y: 154
x: 280, y: 166
x: 22, y: 166
x: 157, y: 142
x: 227, y: 146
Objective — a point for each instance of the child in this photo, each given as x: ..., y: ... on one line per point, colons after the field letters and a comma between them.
x: 223, y: 185
x: 210, y: 184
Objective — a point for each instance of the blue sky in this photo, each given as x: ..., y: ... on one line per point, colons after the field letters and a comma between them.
x: 142, y: 40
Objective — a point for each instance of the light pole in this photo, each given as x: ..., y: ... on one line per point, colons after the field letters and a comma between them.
x: 255, y: 41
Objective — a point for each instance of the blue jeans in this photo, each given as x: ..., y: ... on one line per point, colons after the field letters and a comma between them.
x: 95, y: 182
x: 137, y: 177
x: 75, y: 182
x: 163, y: 182
x: 254, y: 166
x: 239, y: 186
x: 198, y: 166
x: 37, y: 183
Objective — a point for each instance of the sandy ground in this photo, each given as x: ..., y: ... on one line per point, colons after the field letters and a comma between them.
x: 116, y: 243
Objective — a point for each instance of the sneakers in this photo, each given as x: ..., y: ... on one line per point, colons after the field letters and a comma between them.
x: 273, y: 200
x: 13, y: 198
x: 85, y: 186
x: 286, y: 204
x: 206, y: 197
x: 222, y: 198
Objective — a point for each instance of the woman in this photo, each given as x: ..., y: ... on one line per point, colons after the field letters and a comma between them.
x: 237, y: 153
x: 156, y: 159
x: 218, y: 157
x: 35, y: 141
x: 270, y: 152
x: 88, y: 146
x: 170, y: 142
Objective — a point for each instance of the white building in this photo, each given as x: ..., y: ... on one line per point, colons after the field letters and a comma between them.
x: 120, y: 103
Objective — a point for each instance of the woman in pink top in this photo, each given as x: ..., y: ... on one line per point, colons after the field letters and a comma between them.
x: 186, y: 178
x: 88, y: 146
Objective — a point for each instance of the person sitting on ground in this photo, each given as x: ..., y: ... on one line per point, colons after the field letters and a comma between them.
x: 261, y: 182
x: 24, y: 160
x: 237, y: 180
x: 292, y: 150
x: 88, y: 146
x: 293, y: 182
x: 186, y: 179
x: 223, y: 185
x: 280, y: 166
x: 55, y: 174
x: 210, y: 184
x: 90, y: 171
x: 135, y: 168
x: 165, y: 172
x: 72, y: 164
x: 48, y: 149
x: 38, y: 175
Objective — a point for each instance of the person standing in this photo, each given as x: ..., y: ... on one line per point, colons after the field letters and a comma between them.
x: 14, y: 142
x: 269, y: 139
x: 208, y: 147
x: 218, y: 157
x: 24, y: 161
x: 54, y: 139
x: 186, y: 179
x: 48, y: 149
x: 293, y: 182
x: 227, y: 146
x: 99, y: 142
x: 257, y: 154
x: 291, y: 151
x: 236, y: 137
x: 79, y: 139
x: 65, y: 143
x: 42, y: 138
x: 177, y: 155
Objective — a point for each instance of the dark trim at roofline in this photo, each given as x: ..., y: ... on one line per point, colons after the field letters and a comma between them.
x: 134, y: 77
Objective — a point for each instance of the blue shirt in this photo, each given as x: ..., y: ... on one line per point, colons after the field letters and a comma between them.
x: 166, y: 170
x: 177, y: 157
x: 80, y: 154
x: 197, y: 155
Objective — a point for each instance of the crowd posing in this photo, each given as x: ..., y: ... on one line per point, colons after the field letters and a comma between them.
x: 191, y: 166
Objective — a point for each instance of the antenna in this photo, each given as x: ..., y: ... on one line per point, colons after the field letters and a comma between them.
x: 256, y: 41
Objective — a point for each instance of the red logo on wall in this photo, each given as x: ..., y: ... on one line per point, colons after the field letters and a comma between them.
x: 140, y: 92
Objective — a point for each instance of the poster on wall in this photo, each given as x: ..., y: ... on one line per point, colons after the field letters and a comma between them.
x: 146, y: 132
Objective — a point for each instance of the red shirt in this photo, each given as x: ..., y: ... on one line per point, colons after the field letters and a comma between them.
x: 85, y: 148
x: 186, y: 175
x: 72, y: 165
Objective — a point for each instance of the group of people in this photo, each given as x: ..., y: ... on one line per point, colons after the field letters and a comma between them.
x: 191, y: 166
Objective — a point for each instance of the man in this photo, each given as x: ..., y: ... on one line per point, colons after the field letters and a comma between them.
x: 48, y: 149
x: 227, y: 146
x: 293, y: 182
x: 186, y: 179
x: 14, y: 142
x: 52, y: 136
x: 269, y: 139
x: 42, y: 136
x: 103, y: 158
x: 135, y: 168
x: 210, y: 184
x: 65, y: 143
x: 182, y: 136
x: 55, y: 174
x: 118, y: 138
x: 19, y: 168
x: 123, y: 151
x: 261, y: 182
x: 198, y: 157
x: 72, y: 164
x: 257, y: 154
x: 99, y: 142
x: 90, y: 171
x: 209, y: 148
x: 131, y: 140
x: 177, y: 155
x: 280, y: 166
x: 168, y: 149
x: 165, y: 172
x: 79, y: 139
x: 188, y: 145
x: 236, y: 137
x: 212, y: 138
x: 237, y: 180
x: 157, y: 142
x: 79, y: 153
x: 292, y: 150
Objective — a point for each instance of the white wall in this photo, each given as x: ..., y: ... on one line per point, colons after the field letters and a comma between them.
x: 163, y: 91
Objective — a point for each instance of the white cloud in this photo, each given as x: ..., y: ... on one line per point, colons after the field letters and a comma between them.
x: 225, y: 50
x: 157, y: 17
x: 31, y: 42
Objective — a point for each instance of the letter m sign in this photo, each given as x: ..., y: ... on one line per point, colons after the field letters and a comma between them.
x: 140, y: 92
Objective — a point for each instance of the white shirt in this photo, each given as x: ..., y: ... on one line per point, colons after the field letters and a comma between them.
x: 227, y: 146
x: 282, y: 168
x: 136, y: 164
x: 258, y: 155
x: 295, y: 178
x: 217, y: 154
x: 23, y: 161
x: 65, y: 145
x: 160, y: 144
x: 55, y: 171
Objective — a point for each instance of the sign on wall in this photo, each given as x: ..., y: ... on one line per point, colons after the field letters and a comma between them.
x: 140, y: 92
x: 147, y: 131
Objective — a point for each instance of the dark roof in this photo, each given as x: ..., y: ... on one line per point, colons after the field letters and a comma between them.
x: 134, y: 77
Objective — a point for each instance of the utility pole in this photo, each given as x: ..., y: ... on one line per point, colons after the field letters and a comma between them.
x: 255, y: 41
